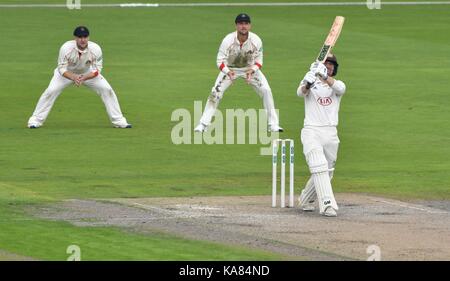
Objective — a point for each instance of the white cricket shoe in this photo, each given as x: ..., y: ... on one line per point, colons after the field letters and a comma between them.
x: 201, y: 128
x: 123, y: 126
x: 33, y: 123
x: 34, y: 126
x: 329, y: 212
x: 308, y: 206
x: 275, y: 128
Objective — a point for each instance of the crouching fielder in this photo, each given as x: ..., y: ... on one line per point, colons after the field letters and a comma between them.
x: 322, y: 94
x: 240, y: 56
x: 80, y: 62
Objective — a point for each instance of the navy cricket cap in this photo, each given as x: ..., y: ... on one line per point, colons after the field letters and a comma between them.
x: 242, y: 18
x: 81, y: 31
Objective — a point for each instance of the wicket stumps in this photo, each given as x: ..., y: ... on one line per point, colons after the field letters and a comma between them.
x: 275, y: 145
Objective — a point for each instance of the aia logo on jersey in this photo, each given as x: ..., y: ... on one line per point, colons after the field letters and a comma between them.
x: 324, y: 101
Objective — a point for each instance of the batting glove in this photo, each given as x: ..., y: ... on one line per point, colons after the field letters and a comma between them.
x: 314, y: 66
x: 310, y: 78
x: 322, y: 71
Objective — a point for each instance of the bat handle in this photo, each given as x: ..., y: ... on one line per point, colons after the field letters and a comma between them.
x: 308, y: 85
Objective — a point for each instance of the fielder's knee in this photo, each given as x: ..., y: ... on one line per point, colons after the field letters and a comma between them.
x: 265, y: 90
x: 215, y: 95
x: 50, y: 93
x: 105, y: 91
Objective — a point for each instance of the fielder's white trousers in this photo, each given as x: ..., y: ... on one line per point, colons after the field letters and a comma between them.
x: 259, y: 84
x: 59, y: 83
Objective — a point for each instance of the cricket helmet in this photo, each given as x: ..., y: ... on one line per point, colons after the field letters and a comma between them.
x: 331, y: 58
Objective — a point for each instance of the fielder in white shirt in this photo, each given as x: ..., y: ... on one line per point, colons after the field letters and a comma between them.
x: 80, y: 62
x: 240, y: 56
x: 322, y: 94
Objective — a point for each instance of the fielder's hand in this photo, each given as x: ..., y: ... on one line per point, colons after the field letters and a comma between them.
x: 231, y: 75
x: 249, y: 75
x: 310, y: 78
x: 322, y: 71
x: 79, y: 80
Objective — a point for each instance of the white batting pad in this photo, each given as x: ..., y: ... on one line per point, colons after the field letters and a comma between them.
x: 308, y: 193
x: 318, y: 166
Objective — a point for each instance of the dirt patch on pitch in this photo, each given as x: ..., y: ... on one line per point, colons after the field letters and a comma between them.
x: 402, y: 231
x: 7, y: 256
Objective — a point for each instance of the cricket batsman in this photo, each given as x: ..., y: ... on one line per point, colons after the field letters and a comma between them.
x: 322, y: 94
x: 240, y: 56
x: 80, y: 62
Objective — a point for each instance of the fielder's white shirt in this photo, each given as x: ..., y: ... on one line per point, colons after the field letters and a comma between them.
x: 322, y: 103
x: 80, y: 62
x: 232, y: 54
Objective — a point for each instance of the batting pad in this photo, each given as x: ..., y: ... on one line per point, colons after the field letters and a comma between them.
x: 308, y: 193
x: 318, y: 166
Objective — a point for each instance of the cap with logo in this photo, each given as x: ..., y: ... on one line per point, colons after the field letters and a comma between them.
x: 81, y: 31
x: 242, y: 18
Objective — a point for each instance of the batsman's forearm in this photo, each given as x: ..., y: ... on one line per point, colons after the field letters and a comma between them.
x: 330, y: 81
x: 302, y: 91
x: 305, y: 89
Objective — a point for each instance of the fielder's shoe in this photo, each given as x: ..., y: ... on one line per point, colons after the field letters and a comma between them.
x: 34, y: 123
x: 275, y: 128
x: 330, y: 212
x: 123, y: 126
x: 201, y: 128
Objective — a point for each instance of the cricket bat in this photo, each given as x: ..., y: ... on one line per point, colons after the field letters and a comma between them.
x: 332, y: 37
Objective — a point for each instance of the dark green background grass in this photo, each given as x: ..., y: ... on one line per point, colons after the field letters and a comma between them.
x: 394, y: 121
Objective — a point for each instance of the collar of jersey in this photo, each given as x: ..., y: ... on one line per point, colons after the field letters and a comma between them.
x: 236, y: 40
x: 84, y: 51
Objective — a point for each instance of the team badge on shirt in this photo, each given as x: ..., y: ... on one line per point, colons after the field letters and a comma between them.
x: 324, y: 101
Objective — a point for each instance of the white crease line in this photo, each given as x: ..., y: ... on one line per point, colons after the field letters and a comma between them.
x: 197, y: 207
x: 410, y: 207
x: 268, y: 4
x: 177, y: 213
x: 101, y: 220
x: 148, y: 207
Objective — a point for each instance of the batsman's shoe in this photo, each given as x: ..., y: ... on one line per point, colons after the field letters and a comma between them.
x: 201, y: 128
x: 275, y: 128
x: 306, y: 206
x: 329, y: 212
x: 123, y: 126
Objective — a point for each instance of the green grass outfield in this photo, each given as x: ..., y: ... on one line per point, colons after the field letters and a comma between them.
x: 394, y: 119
